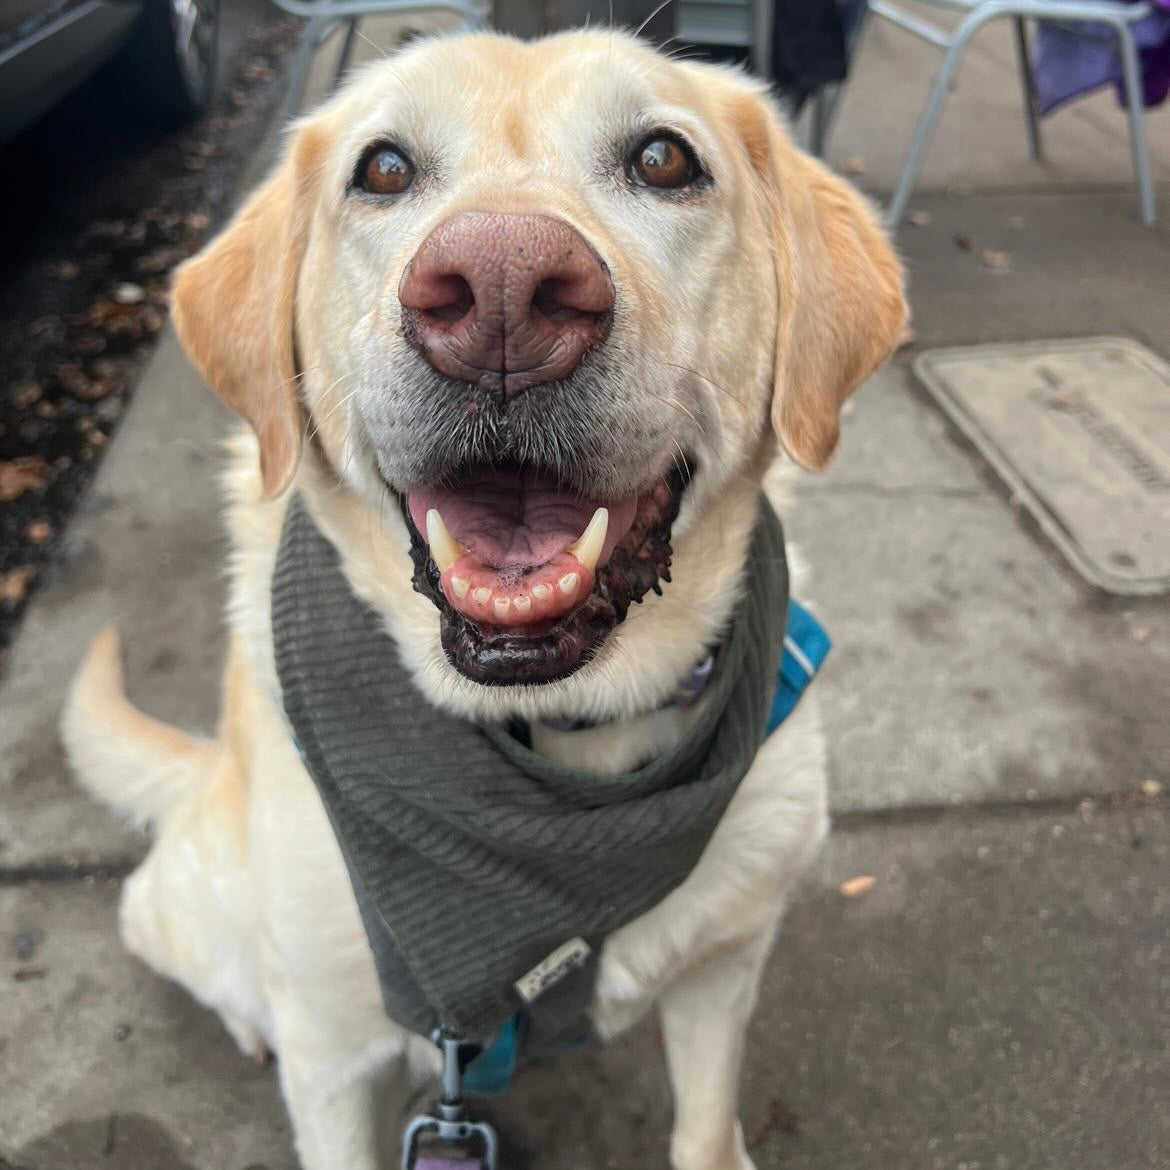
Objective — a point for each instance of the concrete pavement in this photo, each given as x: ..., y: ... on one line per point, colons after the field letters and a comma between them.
x: 998, y: 999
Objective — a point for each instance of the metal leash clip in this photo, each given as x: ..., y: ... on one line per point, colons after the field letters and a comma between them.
x: 456, y: 1142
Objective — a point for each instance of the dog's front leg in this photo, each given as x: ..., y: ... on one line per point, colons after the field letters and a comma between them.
x: 345, y: 1118
x: 705, y: 1014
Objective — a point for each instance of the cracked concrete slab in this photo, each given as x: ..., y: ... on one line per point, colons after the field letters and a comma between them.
x: 997, y: 999
x: 146, y: 553
x: 970, y: 663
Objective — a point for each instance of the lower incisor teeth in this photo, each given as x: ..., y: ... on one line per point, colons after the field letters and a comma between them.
x: 542, y: 592
x: 460, y: 585
x: 500, y: 605
x: 522, y: 604
x: 568, y: 584
x: 482, y: 595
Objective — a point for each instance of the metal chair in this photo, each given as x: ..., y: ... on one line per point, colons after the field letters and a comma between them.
x: 323, y: 17
x: 1118, y: 16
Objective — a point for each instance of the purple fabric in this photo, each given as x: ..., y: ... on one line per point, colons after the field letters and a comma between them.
x: 1074, y: 59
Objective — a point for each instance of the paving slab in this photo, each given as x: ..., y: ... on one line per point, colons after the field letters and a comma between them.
x: 998, y: 999
x: 146, y: 553
x: 88, y: 1034
x: 980, y: 143
x: 970, y: 662
x: 1070, y: 265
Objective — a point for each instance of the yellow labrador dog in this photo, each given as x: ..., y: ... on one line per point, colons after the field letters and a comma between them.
x: 520, y: 328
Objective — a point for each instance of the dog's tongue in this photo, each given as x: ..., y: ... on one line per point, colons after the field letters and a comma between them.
x: 502, y: 540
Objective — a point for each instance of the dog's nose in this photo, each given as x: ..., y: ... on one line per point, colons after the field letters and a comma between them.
x: 506, y: 301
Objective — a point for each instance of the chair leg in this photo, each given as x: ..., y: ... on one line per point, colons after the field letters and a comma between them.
x: 822, y: 112
x: 1135, y: 108
x: 928, y: 119
x: 346, y: 57
x: 1028, y: 84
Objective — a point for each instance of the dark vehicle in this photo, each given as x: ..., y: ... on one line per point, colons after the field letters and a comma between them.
x: 163, y: 52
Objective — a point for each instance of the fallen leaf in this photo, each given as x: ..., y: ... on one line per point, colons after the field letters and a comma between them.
x: 87, y: 345
x: 18, y: 476
x: 965, y: 242
x: 24, y: 394
x: 856, y: 886
x: 129, y: 294
x: 918, y: 218
x: 993, y: 258
x: 853, y: 165
x: 1151, y: 787
x: 98, y: 388
x: 71, y: 377
x: 38, y: 531
x: 14, y: 584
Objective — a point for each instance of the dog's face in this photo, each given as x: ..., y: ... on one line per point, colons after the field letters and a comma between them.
x: 554, y: 300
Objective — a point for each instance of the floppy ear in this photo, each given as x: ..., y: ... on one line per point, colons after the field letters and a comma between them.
x: 233, y: 308
x: 839, y: 284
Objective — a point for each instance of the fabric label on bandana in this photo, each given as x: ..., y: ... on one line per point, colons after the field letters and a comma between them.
x: 567, y: 957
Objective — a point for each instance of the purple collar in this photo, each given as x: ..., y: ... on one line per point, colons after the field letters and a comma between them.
x: 690, y: 691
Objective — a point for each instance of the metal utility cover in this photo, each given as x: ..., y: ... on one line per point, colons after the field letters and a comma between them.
x: 1080, y: 432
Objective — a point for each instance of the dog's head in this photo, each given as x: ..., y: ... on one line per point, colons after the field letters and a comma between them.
x: 555, y: 302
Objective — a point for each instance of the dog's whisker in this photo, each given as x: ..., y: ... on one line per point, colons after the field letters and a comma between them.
x: 710, y: 381
x: 641, y: 28
x: 373, y: 44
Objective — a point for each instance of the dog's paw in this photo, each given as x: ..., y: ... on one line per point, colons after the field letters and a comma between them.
x: 729, y: 1153
x: 248, y: 1039
x: 620, y: 999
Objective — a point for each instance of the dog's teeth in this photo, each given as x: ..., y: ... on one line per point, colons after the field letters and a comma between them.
x: 482, y: 595
x: 523, y: 604
x: 569, y: 583
x: 460, y: 585
x: 542, y: 592
x: 445, y: 549
x: 587, y: 548
x: 501, y: 605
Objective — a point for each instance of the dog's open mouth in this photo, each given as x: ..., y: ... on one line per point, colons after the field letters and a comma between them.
x: 530, y: 576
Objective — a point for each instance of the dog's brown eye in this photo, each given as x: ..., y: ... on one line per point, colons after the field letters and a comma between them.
x: 385, y: 170
x: 663, y: 162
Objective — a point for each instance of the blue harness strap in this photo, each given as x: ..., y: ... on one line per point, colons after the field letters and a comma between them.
x: 806, y: 646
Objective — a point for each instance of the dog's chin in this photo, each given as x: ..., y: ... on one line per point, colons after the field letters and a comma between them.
x: 530, y: 577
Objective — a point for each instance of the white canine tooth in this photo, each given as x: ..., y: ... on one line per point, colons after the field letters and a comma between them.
x: 523, y: 604
x: 569, y: 583
x: 445, y: 549
x: 482, y: 595
x: 460, y: 585
x: 587, y: 547
x: 542, y: 592
x: 500, y: 605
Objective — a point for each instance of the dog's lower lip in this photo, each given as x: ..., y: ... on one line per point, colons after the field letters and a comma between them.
x: 535, y: 622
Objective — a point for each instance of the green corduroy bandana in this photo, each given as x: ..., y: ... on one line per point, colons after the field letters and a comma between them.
x: 473, y: 859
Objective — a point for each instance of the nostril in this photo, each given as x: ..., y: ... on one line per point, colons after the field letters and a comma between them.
x: 454, y: 301
x: 549, y: 301
x: 562, y: 301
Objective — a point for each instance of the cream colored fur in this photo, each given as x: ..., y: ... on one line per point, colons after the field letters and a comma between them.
x: 784, y: 296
